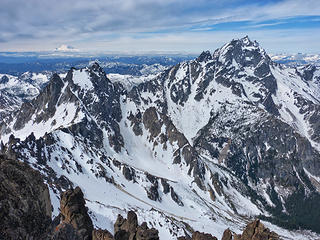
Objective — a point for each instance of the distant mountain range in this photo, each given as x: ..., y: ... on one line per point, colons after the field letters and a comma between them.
x: 297, y: 59
x: 18, y: 63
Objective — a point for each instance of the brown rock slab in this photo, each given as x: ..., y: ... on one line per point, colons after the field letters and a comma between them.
x: 227, y: 235
x: 74, y: 212
x: 99, y: 234
x: 257, y: 231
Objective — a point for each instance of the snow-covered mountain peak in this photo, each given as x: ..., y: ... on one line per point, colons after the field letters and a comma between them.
x: 248, y: 43
x: 243, y: 52
x: 4, y: 79
x: 95, y: 67
x: 204, y: 56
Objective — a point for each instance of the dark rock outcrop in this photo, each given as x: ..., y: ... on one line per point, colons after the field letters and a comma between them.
x: 147, y: 234
x: 25, y: 207
x: 74, y: 212
x: 253, y: 231
x: 128, y: 228
x: 257, y: 231
x: 65, y: 231
x: 202, y: 236
x: 101, y: 235
x: 227, y: 235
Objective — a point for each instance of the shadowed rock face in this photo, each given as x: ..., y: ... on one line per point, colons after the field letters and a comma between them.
x: 74, y: 212
x: 25, y: 207
x: 101, y: 235
x: 65, y: 231
x: 128, y: 228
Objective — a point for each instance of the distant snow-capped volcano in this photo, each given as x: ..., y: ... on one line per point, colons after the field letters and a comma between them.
x: 66, y: 48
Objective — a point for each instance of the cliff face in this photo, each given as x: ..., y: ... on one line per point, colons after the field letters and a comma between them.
x: 74, y: 212
x: 25, y: 207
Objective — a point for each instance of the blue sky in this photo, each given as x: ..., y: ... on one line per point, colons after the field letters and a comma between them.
x: 141, y: 26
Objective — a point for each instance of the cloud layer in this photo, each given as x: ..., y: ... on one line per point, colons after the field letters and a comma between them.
x: 157, y: 25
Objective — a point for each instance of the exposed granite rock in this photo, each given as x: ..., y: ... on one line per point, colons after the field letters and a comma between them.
x: 202, y: 236
x: 118, y: 224
x: 74, y: 212
x: 227, y: 235
x: 128, y: 229
x: 25, y: 207
x: 128, y: 225
x: 147, y: 234
x: 101, y: 235
x: 257, y: 231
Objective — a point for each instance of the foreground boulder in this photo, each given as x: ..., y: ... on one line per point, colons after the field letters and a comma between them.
x: 101, y: 235
x: 127, y: 229
x: 65, y: 231
x: 25, y: 207
x: 75, y: 213
x: 227, y: 235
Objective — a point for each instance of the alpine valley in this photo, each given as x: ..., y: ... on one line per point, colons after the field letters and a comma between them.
x: 208, y: 144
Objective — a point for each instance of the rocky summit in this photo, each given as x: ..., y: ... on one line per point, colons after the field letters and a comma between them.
x: 205, y: 145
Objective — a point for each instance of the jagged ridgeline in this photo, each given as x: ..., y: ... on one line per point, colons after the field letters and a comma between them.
x: 208, y: 143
